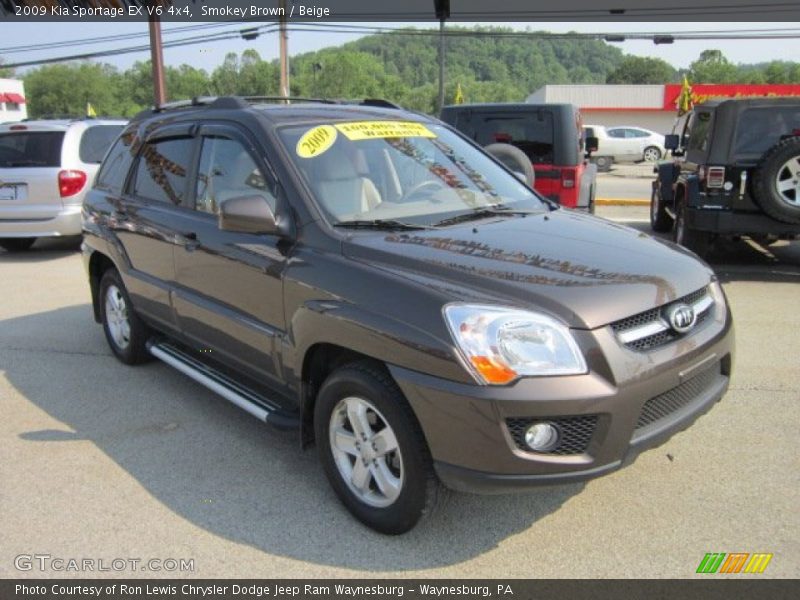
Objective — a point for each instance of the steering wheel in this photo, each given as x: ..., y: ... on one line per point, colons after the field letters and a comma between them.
x: 435, y: 183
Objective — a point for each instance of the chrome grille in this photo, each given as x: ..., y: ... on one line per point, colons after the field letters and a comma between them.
x: 655, y: 331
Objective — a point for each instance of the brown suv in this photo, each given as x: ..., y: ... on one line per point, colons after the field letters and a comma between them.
x: 374, y: 280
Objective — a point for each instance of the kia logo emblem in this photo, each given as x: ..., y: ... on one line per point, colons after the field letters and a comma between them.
x: 681, y: 317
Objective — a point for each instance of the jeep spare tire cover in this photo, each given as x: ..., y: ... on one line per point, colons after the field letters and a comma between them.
x: 777, y: 181
x: 513, y: 158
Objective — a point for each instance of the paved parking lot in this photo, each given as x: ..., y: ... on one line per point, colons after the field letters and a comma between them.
x: 103, y: 461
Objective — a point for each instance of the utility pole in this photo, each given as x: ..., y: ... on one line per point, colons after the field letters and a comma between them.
x: 284, y: 44
x: 442, y: 8
x: 157, y: 61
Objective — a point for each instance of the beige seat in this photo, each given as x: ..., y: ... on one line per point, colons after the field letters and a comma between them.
x: 340, y: 189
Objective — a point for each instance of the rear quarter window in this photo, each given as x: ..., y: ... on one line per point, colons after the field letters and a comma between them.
x: 96, y: 140
x: 31, y: 149
x: 112, y: 174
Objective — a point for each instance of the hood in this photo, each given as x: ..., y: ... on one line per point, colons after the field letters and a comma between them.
x: 584, y: 270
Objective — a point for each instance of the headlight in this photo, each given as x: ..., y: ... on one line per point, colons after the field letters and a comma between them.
x: 715, y: 289
x: 503, y: 344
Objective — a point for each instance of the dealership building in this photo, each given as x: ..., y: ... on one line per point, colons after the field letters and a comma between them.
x: 12, y: 101
x: 652, y: 107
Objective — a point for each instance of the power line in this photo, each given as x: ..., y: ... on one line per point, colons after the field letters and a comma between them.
x: 754, y: 34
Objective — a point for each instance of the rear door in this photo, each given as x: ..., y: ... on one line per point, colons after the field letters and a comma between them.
x: 623, y: 145
x: 148, y: 220
x: 30, y: 160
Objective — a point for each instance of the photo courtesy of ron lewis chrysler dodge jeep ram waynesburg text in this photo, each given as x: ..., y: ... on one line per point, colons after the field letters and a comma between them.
x: 372, y: 279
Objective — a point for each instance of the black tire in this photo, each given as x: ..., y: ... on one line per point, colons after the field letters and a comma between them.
x: 132, y: 350
x: 660, y: 220
x: 698, y: 242
x: 781, y: 163
x: 513, y: 158
x: 651, y: 154
x: 603, y: 163
x: 418, y: 486
x: 16, y: 244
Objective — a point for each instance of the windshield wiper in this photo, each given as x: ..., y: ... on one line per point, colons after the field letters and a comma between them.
x: 482, y: 213
x: 379, y: 224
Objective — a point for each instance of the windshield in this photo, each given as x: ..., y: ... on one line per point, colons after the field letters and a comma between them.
x: 395, y: 171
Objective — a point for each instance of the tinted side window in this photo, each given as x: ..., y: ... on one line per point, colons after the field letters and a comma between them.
x: 616, y: 133
x: 700, y: 129
x: 162, y: 169
x: 31, y: 149
x: 227, y: 170
x: 758, y: 129
x: 112, y: 174
x: 95, y: 142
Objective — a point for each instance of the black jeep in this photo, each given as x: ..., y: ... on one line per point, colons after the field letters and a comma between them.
x: 737, y: 172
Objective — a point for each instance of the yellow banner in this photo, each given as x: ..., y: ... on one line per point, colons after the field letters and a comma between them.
x: 365, y: 130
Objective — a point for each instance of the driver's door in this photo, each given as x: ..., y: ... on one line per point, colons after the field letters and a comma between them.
x: 229, y: 293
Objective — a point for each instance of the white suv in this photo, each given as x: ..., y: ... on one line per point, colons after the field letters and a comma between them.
x: 46, y: 167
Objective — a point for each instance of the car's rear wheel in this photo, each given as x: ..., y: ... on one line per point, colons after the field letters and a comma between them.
x: 697, y: 241
x: 660, y: 220
x: 125, y: 332
x: 651, y: 154
x: 17, y: 244
x: 777, y: 181
x: 373, y: 450
x: 603, y: 162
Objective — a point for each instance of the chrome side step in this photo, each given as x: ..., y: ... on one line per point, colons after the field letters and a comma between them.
x: 245, y: 398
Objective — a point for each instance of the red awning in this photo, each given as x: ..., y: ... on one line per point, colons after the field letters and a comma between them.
x: 15, y: 98
x: 3, y: 98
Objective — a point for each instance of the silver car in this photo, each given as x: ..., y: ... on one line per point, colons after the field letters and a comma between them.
x: 46, y: 167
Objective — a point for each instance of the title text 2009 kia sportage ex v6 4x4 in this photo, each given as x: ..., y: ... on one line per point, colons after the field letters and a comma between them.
x: 373, y: 279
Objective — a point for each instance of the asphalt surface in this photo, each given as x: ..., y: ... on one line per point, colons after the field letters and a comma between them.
x: 104, y: 461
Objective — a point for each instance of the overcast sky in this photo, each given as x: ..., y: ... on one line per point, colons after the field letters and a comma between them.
x: 209, y: 55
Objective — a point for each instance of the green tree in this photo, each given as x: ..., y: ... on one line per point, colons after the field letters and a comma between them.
x: 5, y: 72
x: 642, y: 70
x: 65, y: 89
x: 713, y: 67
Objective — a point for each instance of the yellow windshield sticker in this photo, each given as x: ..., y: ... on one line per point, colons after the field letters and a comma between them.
x: 316, y: 141
x: 366, y: 130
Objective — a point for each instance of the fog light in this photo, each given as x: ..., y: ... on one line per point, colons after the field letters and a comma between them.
x: 542, y: 436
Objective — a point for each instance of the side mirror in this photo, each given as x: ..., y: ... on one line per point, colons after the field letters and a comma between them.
x: 248, y: 214
x: 592, y: 144
x: 672, y: 141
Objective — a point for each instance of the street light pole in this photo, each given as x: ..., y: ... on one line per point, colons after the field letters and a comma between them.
x: 157, y: 61
x: 442, y: 8
x: 284, y: 56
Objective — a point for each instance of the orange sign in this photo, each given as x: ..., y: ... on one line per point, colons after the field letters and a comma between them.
x: 708, y: 91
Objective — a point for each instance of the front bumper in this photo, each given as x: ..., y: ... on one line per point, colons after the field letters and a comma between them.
x: 66, y: 222
x: 630, y: 400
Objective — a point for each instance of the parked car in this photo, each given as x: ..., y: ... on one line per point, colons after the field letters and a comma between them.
x: 46, y: 167
x: 549, y: 135
x: 736, y: 172
x: 375, y: 281
x: 625, y: 144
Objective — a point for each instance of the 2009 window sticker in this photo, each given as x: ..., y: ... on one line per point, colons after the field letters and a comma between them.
x: 316, y: 141
x: 365, y: 130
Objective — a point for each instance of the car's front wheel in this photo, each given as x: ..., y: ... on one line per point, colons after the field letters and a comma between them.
x: 125, y: 332
x: 373, y: 450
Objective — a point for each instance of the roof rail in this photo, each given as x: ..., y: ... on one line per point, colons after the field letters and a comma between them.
x: 286, y: 99
x: 380, y: 103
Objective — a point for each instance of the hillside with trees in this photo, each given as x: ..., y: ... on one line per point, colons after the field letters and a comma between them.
x: 488, y: 64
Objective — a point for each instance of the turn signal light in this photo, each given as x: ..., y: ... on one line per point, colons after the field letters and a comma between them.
x: 493, y: 371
